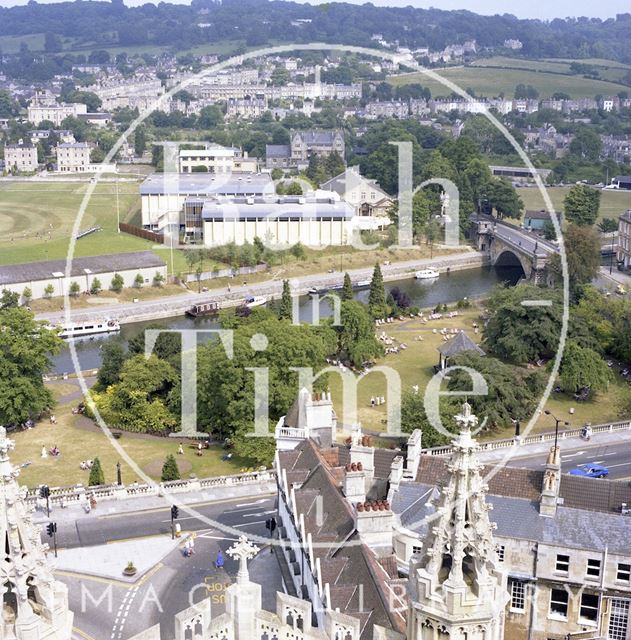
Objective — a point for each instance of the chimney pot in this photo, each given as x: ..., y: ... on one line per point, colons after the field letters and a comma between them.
x: 360, y: 466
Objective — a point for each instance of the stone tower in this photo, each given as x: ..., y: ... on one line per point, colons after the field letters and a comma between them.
x: 457, y: 591
x: 35, y: 605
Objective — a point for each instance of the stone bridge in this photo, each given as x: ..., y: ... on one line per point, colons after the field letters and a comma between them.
x: 509, y: 245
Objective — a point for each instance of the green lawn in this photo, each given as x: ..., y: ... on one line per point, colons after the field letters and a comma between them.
x: 415, y: 366
x: 491, y: 82
x: 612, y: 203
x: 79, y: 443
x: 11, y: 44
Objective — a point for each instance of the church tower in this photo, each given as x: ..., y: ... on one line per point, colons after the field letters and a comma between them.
x: 457, y: 591
x: 35, y: 605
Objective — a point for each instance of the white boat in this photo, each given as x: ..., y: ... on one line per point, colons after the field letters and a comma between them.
x: 255, y: 301
x: 426, y: 274
x: 80, y: 329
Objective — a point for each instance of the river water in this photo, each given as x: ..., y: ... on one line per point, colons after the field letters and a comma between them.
x: 448, y: 288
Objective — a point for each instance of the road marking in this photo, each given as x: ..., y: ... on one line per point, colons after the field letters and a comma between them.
x: 82, y: 633
x: 247, y: 504
x: 192, y: 505
x: 85, y: 576
x: 260, y: 513
x: 622, y: 464
x: 249, y: 524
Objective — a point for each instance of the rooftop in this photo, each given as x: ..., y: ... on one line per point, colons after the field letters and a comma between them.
x: 207, y: 184
x: 33, y: 271
x: 276, y: 208
x: 462, y: 342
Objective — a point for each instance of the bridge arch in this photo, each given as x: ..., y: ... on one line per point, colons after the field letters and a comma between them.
x: 509, y: 258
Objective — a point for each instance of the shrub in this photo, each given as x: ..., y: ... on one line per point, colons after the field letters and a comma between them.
x: 117, y: 283
x: 169, y: 469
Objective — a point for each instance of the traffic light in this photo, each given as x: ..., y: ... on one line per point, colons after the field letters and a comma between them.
x: 51, y: 528
x: 175, y: 512
x: 44, y: 491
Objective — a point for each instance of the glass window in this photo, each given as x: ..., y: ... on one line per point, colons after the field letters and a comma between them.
x: 618, y: 619
x: 563, y: 563
x: 624, y: 572
x: 589, y: 607
x: 558, y: 603
x: 518, y: 595
x: 501, y: 552
x: 593, y: 568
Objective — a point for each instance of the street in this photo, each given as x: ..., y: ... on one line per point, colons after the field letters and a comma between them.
x: 111, y: 609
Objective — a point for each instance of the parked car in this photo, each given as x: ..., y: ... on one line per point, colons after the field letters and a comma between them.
x: 590, y: 471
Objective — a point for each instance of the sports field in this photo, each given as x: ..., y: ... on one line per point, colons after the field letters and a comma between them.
x: 491, y: 82
x: 612, y: 203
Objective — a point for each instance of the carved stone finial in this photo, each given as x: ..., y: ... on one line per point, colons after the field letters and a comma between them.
x: 243, y: 551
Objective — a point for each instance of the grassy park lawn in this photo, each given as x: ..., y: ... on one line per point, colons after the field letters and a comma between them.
x: 490, y: 82
x: 415, y: 366
x: 78, y: 442
x: 612, y: 203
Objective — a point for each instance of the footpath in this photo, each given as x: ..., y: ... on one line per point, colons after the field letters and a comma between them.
x: 75, y: 512
x: 234, y: 295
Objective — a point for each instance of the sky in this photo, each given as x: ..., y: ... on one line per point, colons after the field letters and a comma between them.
x: 543, y: 9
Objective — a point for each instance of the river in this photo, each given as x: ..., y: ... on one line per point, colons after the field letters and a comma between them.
x: 448, y: 288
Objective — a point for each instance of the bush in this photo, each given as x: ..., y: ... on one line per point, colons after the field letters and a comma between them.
x: 117, y: 283
x: 75, y: 289
x: 95, y: 287
x: 138, y: 280
x: 169, y: 469
x: 158, y: 279
x: 49, y: 290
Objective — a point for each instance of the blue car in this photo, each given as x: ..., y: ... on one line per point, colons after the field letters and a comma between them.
x: 590, y: 471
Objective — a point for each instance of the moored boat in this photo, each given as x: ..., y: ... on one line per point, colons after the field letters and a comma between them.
x: 426, y: 274
x: 79, y: 329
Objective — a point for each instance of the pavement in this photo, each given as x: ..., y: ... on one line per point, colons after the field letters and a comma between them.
x: 611, y: 449
x: 235, y: 294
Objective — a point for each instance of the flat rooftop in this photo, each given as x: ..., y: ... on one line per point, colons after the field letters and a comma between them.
x: 201, y: 184
x: 51, y: 269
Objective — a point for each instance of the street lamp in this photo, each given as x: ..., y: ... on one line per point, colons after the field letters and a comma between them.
x: 556, y: 426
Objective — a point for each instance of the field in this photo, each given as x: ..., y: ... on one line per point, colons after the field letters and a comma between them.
x: 612, y: 203
x: 607, y: 69
x: 415, y: 366
x: 78, y: 439
x: 490, y: 82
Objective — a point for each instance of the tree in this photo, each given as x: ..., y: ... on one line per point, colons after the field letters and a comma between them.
x: 140, y: 141
x: 586, y: 144
x: 347, y: 288
x: 27, y: 294
x: 502, y: 197
x: 139, y: 280
x: 210, y: 117
x: 158, y: 279
x: 74, y: 289
x: 377, y: 294
x: 357, y: 333
x: 9, y: 299
x: 293, y: 189
x: 49, y: 290
x: 170, y: 471
x: 97, y: 477
x: 582, y: 250
x: 117, y: 283
x: 112, y: 359
x: 52, y: 43
x: 432, y: 231
x: 520, y: 333
x: 277, y: 173
x: 582, y: 204
x: 582, y: 368
x: 334, y: 164
x: 313, y: 170
x: 26, y: 346
x: 95, y: 287
x: 414, y: 416
x: 512, y: 392
x: 286, y: 305
x: 608, y: 225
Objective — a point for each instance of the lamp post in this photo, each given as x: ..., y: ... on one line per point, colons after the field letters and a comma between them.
x: 556, y: 426
x: 119, y: 478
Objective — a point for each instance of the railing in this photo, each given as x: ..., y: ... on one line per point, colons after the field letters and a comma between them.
x: 622, y: 425
x: 291, y: 432
x: 80, y: 493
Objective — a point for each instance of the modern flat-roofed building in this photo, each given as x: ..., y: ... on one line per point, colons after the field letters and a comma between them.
x: 281, y: 221
x: 20, y: 157
x: 163, y: 195
x: 37, y: 276
x: 214, y: 158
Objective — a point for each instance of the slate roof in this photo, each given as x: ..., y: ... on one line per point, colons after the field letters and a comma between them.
x: 382, y: 460
x: 34, y: 271
x: 537, y: 215
x: 315, y: 136
x: 519, y: 518
x: 345, y: 561
x: 349, y: 180
x: 277, y: 151
x: 462, y: 342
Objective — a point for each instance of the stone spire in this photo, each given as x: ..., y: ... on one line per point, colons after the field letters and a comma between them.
x: 35, y: 604
x: 457, y: 587
x: 243, y: 598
